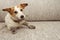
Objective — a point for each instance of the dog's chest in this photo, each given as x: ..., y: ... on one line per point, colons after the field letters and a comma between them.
x: 10, y: 22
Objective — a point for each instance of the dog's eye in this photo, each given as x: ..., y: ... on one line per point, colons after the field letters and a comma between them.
x: 21, y: 9
x: 15, y: 12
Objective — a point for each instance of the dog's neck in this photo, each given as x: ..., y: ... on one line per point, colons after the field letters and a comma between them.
x: 14, y: 20
x: 17, y: 21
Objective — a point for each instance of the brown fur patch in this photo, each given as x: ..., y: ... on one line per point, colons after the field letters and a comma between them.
x: 19, y: 7
x: 10, y: 10
x: 22, y: 6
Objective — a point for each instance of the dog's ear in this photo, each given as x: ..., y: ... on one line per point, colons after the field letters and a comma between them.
x: 10, y: 10
x: 6, y: 9
x: 23, y: 5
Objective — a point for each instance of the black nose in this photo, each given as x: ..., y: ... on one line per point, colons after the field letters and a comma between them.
x: 26, y: 4
x: 22, y: 16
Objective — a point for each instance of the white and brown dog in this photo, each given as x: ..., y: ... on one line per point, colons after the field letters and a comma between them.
x: 16, y: 18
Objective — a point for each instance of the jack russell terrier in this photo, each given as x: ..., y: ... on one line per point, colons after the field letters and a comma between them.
x: 15, y: 18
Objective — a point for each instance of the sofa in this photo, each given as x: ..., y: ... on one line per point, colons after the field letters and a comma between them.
x: 44, y: 14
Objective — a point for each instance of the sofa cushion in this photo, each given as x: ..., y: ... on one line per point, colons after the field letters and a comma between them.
x: 43, y: 31
x: 36, y: 10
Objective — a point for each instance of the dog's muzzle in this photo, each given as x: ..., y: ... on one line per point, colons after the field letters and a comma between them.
x: 22, y: 16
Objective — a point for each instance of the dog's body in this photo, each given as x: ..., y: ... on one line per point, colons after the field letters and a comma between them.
x: 11, y: 23
x: 15, y: 18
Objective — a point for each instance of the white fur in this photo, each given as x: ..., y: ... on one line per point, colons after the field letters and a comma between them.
x: 10, y: 23
x: 19, y: 12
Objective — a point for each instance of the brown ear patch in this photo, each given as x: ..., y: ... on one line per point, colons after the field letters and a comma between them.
x: 23, y: 5
x: 10, y: 10
x: 6, y: 9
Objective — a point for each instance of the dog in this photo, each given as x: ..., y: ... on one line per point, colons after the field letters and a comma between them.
x: 15, y: 17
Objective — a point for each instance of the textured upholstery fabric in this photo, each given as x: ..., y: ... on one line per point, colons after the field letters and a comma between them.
x: 37, y: 9
x: 43, y: 31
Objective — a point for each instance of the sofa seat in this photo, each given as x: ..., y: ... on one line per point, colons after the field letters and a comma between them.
x: 45, y: 30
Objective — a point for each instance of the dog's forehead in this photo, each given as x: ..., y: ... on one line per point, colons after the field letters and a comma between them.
x: 17, y: 8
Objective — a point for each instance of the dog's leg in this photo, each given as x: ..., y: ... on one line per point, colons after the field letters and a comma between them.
x: 29, y: 26
x: 12, y: 29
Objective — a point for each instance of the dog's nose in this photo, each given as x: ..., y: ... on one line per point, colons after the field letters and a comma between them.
x: 22, y: 16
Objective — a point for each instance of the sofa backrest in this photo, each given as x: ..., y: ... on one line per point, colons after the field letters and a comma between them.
x: 37, y: 9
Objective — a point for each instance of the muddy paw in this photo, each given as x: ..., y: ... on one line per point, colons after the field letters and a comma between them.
x: 31, y: 27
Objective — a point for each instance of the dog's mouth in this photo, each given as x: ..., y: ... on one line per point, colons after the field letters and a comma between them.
x: 18, y: 20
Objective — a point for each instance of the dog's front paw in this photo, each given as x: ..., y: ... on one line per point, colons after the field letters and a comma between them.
x: 31, y: 27
x: 13, y: 30
x: 17, y: 27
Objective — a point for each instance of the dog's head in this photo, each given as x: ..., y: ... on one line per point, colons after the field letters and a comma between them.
x: 16, y: 11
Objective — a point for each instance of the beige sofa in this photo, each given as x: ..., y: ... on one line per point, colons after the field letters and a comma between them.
x: 36, y: 11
